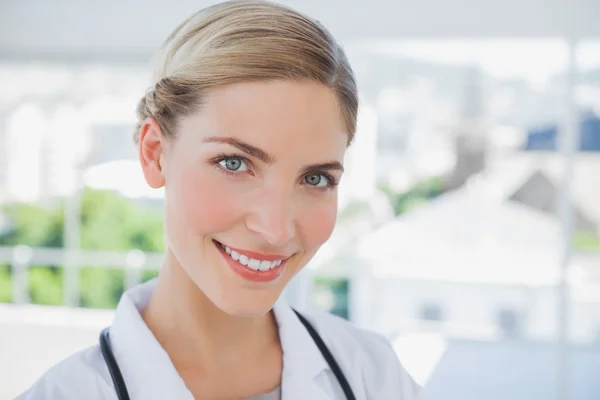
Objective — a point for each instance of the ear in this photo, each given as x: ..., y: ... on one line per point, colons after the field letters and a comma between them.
x: 151, y: 153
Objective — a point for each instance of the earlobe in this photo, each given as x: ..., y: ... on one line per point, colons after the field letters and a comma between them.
x: 151, y: 153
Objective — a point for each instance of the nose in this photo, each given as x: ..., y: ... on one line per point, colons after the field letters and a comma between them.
x: 273, y: 217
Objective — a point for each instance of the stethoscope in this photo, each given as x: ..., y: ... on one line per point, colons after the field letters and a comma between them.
x: 121, y: 388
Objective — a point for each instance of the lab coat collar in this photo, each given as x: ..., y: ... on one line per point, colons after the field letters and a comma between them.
x: 145, y: 365
x: 303, y: 362
x: 150, y: 374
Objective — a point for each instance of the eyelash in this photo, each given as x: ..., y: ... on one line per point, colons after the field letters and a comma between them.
x: 333, y: 181
x: 223, y: 157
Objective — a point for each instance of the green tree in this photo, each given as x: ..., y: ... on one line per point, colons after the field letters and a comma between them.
x: 109, y: 222
x: 416, y: 196
x: 5, y: 284
x: 34, y: 225
x: 586, y: 242
x: 45, y: 285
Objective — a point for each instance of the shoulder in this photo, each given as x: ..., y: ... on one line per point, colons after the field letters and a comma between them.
x: 82, y: 375
x: 380, y: 367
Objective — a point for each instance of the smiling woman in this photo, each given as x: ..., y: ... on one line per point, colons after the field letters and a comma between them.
x: 245, y: 127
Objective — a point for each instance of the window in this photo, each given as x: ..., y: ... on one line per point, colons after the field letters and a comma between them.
x: 431, y: 312
x: 509, y: 322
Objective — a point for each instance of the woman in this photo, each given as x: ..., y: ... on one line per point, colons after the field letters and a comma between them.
x: 252, y: 109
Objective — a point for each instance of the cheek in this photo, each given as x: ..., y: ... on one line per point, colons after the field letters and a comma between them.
x: 317, y: 222
x: 206, y: 203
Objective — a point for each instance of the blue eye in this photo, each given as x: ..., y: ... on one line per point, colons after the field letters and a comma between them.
x: 234, y: 164
x: 317, y: 180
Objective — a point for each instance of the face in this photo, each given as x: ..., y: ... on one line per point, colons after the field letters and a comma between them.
x: 251, y: 188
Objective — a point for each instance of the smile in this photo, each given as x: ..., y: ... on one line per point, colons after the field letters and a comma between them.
x: 253, y: 266
x: 252, y: 263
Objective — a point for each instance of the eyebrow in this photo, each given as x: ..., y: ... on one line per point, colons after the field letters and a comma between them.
x: 266, y: 157
x: 243, y: 146
x: 328, y: 166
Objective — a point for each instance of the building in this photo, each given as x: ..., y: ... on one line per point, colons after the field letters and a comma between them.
x: 466, y: 287
x: 545, y: 138
x: 470, y: 264
x: 534, y: 179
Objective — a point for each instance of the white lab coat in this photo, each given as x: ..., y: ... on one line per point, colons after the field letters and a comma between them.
x: 367, y: 360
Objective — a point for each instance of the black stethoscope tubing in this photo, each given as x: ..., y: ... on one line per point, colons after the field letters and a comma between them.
x: 121, y: 387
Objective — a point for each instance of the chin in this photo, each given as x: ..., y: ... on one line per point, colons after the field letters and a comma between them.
x: 243, y: 306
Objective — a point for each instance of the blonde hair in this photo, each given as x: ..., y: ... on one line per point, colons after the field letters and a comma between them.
x: 241, y: 41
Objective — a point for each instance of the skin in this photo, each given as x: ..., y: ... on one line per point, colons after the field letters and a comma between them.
x: 214, y: 324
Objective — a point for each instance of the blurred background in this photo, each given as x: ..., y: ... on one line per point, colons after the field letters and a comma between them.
x: 469, y: 220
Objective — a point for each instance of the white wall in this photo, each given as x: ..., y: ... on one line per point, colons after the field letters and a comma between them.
x: 584, y: 322
x: 463, y: 305
x: 390, y: 306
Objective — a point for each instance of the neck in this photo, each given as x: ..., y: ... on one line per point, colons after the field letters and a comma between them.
x: 197, y: 334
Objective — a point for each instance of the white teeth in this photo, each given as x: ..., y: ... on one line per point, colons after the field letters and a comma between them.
x: 266, y: 265
x: 256, y: 265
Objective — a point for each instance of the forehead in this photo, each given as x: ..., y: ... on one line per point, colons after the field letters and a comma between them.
x: 277, y: 116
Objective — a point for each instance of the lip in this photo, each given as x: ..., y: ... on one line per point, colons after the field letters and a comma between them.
x: 257, y: 256
x: 248, y: 273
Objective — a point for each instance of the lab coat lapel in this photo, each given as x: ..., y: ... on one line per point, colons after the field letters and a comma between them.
x: 303, y: 363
